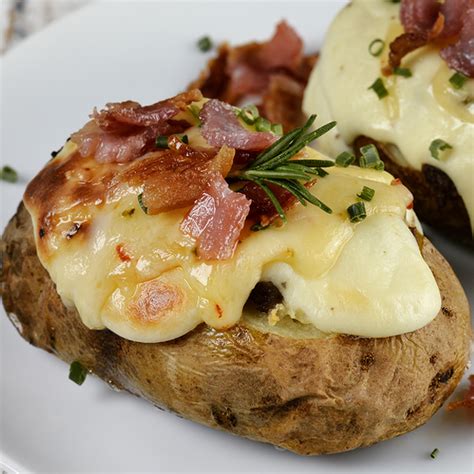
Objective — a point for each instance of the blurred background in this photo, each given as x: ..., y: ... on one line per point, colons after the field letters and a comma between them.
x: 20, y: 18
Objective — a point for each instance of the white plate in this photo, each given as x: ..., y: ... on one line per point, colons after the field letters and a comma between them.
x: 146, y: 51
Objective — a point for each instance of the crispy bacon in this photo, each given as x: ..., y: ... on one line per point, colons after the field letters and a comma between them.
x: 249, y: 69
x: 449, y: 24
x: 175, y: 178
x: 468, y: 400
x: 124, y: 131
x: 220, y: 126
x: 216, y: 220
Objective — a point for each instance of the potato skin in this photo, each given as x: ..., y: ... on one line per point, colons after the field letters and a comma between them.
x: 437, y: 201
x: 310, y: 396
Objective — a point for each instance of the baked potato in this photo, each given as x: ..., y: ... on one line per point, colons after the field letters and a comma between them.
x: 310, y: 396
x: 410, y: 94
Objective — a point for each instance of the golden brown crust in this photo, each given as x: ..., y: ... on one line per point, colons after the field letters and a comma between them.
x: 311, y: 396
x: 437, y: 201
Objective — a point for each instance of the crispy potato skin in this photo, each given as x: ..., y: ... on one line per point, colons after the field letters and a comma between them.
x: 310, y: 396
x: 437, y: 201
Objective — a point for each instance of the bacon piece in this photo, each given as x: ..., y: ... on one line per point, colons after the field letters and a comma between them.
x: 468, y: 400
x: 175, y: 178
x: 405, y: 44
x: 124, y: 131
x: 220, y: 126
x: 460, y: 55
x: 418, y: 16
x: 216, y: 220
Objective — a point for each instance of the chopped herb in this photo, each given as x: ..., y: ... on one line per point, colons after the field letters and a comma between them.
x: 367, y: 193
x: 185, y: 139
x: 257, y: 227
x: 370, y: 158
x: 434, y: 453
x: 277, y: 129
x: 161, y: 141
x: 204, y: 44
x: 7, y: 173
x: 376, y: 47
x: 128, y: 212
x: 345, y: 159
x: 195, y: 110
x: 275, y: 166
x: 140, y: 203
x: 249, y: 114
x: 357, y: 212
x: 402, y: 71
x: 77, y: 372
x: 262, y: 125
x: 379, y: 88
x: 438, y: 146
x: 458, y: 80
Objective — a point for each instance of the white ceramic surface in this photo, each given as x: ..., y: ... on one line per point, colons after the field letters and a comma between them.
x: 146, y: 51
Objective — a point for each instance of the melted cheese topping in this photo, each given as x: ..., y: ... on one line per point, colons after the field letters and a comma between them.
x: 418, y: 110
x: 138, y: 274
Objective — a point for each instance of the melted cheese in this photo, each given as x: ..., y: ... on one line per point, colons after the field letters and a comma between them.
x: 418, y: 110
x: 139, y: 276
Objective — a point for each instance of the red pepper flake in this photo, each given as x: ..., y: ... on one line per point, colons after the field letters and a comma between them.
x: 410, y: 205
x: 123, y: 255
x: 219, y: 311
x: 396, y: 182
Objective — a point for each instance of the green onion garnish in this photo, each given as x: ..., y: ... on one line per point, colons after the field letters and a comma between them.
x: 367, y: 193
x: 161, y: 141
x: 258, y: 227
x: 263, y: 125
x: 277, y: 129
x: 249, y: 114
x: 370, y: 158
x: 204, y: 44
x: 7, y: 173
x: 185, y: 139
x: 195, y: 110
x: 434, y: 453
x: 402, y: 71
x: 379, y: 88
x: 140, y: 203
x: 77, y: 372
x: 376, y: 47
x: 357, y: 212
x: 457, y: 80
x: 438, y: 146
x: 345, y: 159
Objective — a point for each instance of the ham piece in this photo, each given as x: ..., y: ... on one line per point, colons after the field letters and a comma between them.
x: 216, y: 220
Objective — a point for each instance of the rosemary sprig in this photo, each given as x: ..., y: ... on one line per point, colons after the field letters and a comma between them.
x: 275, y: 166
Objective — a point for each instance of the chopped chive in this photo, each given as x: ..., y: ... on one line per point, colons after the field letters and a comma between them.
x: 140, y: 203
x: 258, y: 227
x: 204, y: 44
x: 7, y: 173
x: 345, y: 159
x: 370, y: 158
x: 249, y: 114
x: 367, y: 193
x: 458, y: 80
x: 357, y: 212
x: 277, y: 129
x: 376, y: 47
x: 161, y: 141
x: 379, y: 88
x: 434, y: 453
x: 195, y: 110
x: 262, y: 125
x: 402, y: 71
x: 128, y: 212
x: 438, y: 146
x: 314, y: 163
x: 77, y: 372
x: 185, y: 139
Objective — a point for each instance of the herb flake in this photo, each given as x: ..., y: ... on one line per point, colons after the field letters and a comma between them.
x: 77, y: 372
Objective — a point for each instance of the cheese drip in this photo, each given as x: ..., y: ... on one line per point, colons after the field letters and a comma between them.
x: 417, y: 111
x: 139, y: 276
